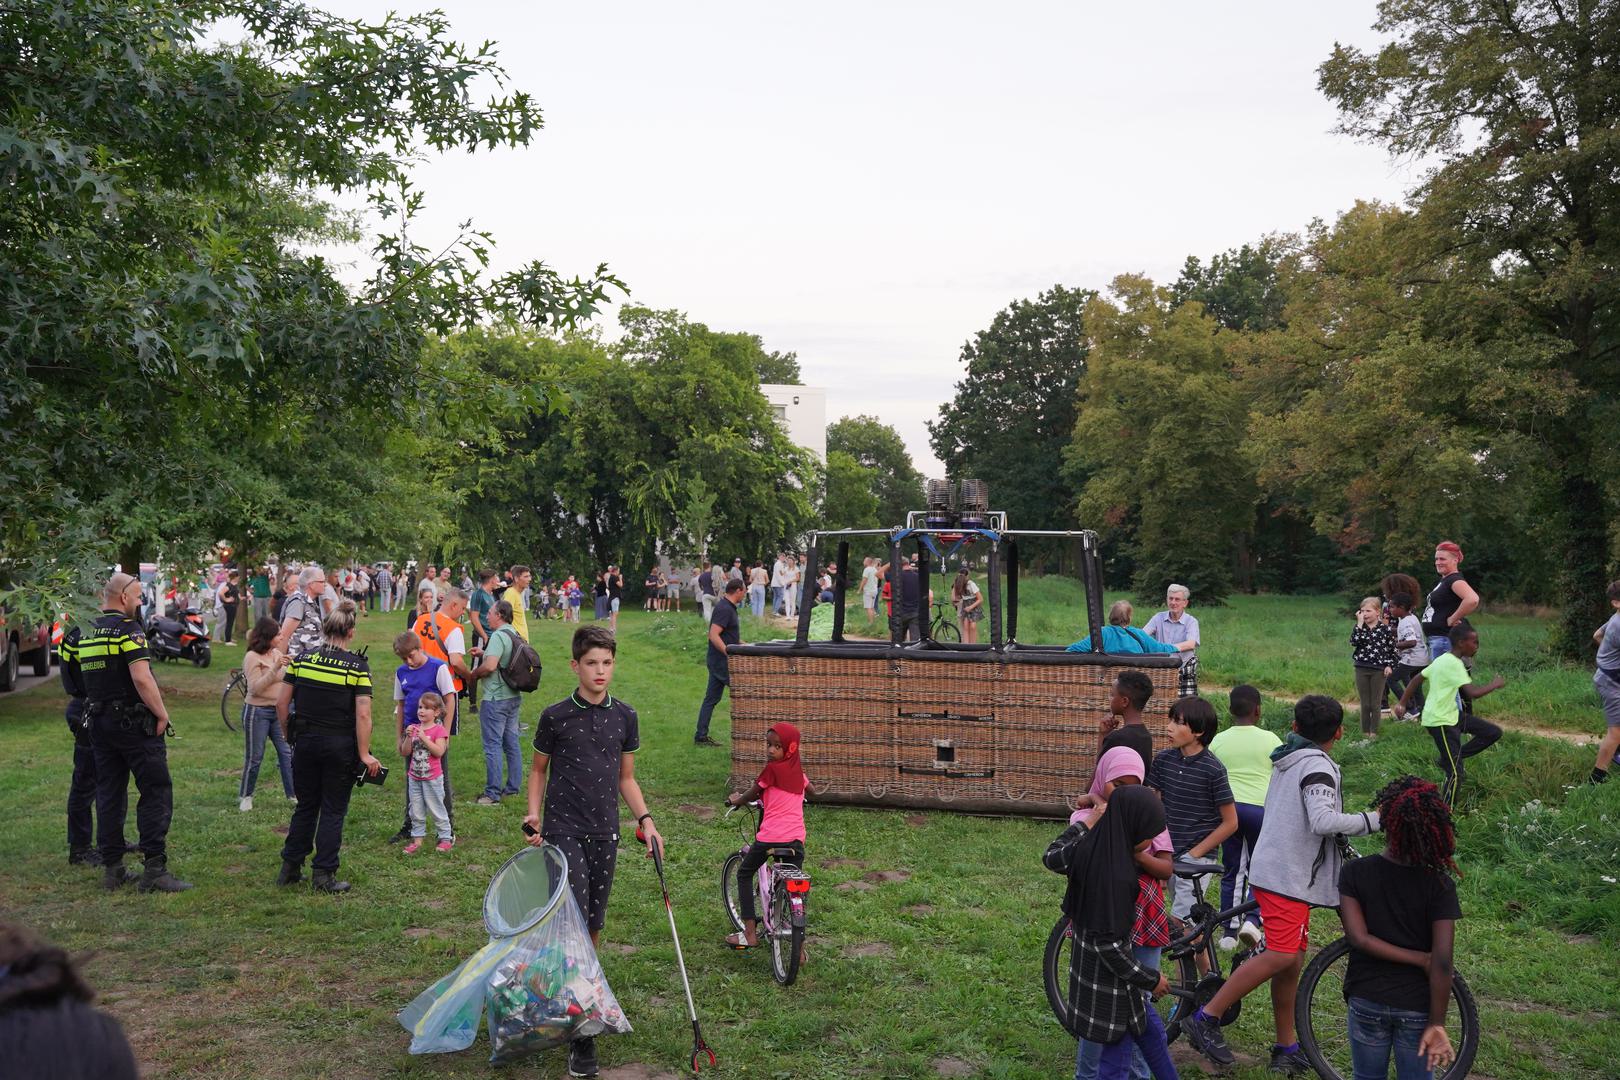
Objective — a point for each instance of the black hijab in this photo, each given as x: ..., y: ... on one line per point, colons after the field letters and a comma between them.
x: 1102, y: 878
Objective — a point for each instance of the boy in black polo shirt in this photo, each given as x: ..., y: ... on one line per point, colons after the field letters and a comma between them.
x: 584, y: 760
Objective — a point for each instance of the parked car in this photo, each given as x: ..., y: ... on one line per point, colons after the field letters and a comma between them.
x: 21, y: 644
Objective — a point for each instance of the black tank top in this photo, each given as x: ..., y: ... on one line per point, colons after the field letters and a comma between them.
x: 1443, y: 603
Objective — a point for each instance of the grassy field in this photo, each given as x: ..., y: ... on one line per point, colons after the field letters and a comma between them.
x: 1296, y: 645
x: 927, y: 928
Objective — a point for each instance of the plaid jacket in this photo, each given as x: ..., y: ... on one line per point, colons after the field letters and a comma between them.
x: 1105, y: 981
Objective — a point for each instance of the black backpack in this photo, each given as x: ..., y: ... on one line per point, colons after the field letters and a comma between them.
x: 521, y: 672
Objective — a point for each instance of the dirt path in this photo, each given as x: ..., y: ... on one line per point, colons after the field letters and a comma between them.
x: 1507, y: 723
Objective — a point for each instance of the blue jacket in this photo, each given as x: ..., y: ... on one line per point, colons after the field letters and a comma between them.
x: 1123, y: 639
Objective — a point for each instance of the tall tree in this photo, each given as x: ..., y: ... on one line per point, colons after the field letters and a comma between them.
x: 850, y: 502
x: 159, y: 301
x: 1518, y: 102
x: 1240, y: 288
x: 1014, y: 410
x: 1159, y: 439
x: 896, y: 485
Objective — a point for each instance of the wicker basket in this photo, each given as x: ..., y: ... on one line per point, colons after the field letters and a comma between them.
x: 962, y: 729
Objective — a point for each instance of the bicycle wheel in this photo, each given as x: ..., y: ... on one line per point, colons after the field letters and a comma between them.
x: 728, y: 890
x: 1322, y: 1017
x: 945, y: 630
x: 231, y: 701
x: 786, y: 939
x: 1173, y: 1007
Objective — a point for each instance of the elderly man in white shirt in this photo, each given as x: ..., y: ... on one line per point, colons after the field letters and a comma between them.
x: 1176, y: 627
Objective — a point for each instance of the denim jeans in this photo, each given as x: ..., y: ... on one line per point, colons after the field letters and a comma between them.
x: 756, y: 599
x: 1234, y: 849
x: 499, y: 719
x: 427, y: 797
x: 1376, y: 1031
x: 1089, y: 1056
x: 711, y: 698
x: 776, y: 599
x: 259, y: 723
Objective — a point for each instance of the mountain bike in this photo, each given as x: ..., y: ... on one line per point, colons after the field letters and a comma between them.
x: 782, y: 895
x: 1179, y: 961
x: 1322, y: 1017
x: 232, y: 700
x: 942, y: 627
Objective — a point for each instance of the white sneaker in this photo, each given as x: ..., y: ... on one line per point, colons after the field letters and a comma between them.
x: 246, y: 804
x: 1249, y: 934
x: 1228, y: 943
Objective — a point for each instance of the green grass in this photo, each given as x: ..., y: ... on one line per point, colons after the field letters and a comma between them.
x: 239, y: 979
x: 1296, y: 645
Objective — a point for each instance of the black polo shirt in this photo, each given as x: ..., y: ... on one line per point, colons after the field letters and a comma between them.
x: 325, y: 684
x: 113, y: 642
x: 585, y: 743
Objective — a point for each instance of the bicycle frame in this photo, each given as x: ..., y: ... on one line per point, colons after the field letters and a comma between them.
x: 773, y: 870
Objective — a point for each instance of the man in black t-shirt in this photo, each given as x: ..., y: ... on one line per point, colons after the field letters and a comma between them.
x: 725, y: 630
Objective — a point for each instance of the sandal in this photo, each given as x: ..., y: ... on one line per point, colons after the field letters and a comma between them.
x: 737, y: 942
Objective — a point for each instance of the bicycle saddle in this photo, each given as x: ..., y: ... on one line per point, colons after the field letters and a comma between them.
x: 1194, y: 869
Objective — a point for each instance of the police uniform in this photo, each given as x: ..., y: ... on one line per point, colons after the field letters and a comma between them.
x: 122, y: 746
x: 326, y: 756
x: 82, y: 790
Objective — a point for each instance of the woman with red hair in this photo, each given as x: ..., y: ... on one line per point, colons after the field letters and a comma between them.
x: 1450, y: 602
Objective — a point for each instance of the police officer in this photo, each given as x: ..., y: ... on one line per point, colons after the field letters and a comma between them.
x: 127, y: 722
x: 82, y: 789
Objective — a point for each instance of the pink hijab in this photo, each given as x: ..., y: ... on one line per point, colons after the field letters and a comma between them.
x: 1118, y: 762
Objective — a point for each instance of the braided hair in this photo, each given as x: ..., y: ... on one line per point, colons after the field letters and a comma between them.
x: 1417, y: 824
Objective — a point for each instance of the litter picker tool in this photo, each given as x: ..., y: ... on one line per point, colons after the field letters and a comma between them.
x: 699, y: 1047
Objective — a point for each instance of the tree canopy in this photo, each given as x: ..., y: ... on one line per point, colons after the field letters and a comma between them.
x: 179, y: 362
x: 892, y: 480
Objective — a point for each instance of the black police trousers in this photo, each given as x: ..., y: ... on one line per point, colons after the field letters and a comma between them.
x: 324, y: 767
x: 82, y: 790
x: 122, y: 752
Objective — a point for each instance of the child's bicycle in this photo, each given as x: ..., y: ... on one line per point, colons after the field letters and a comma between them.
x: 1179, y: 961
x: 1320, y: 1013
x: 782, y: 891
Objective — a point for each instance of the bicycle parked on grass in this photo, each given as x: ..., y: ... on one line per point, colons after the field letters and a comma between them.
x: 782, y: 892
x: 942, y: 627
x: 1320, y: 1012
x: 233, y: 698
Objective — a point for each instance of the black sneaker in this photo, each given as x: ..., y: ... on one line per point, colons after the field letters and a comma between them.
x: 88, y: 857
x: 704, y: 741
x: 1289, y: 1062
x: 400, y: 837
x: 1204, y: 1032
x: 582, y: 1057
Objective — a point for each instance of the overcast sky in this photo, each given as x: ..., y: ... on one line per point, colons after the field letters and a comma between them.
x: 868, y: 184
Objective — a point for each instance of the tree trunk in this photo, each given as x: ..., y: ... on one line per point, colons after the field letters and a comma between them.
x: 1585, y: 575
x: 129, y: 557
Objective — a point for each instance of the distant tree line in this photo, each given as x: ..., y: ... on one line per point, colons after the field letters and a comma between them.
x: 1310, y: 410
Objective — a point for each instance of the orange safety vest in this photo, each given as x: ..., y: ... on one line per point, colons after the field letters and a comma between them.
x: 433, y: 639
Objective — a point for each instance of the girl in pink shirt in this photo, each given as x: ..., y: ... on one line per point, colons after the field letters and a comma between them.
x: 781, y: 788
x: 423, y: 745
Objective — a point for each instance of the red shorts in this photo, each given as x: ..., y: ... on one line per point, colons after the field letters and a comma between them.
x: 1287, y: 921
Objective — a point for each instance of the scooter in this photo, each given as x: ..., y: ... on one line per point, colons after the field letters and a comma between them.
x: 182, y: 638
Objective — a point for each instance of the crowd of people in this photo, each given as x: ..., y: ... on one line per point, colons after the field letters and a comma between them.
x: 1262, y: 812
